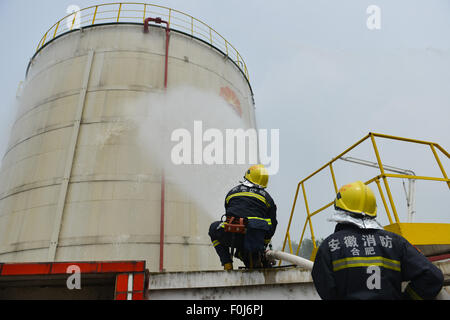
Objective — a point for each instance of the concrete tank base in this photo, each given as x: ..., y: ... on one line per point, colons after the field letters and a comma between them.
x: 267, y: 284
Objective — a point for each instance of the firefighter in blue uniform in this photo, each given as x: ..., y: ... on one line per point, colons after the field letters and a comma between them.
x: 361, y: 260
x: 250, y: 201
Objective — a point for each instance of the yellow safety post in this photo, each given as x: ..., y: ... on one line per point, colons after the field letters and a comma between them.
x: 377, y: 181
x: 309, y: 219
x: 73, y: 21
x: 439, y: 163
x: 56, y: 29
x: 333, y: 177
x: 290, y: 218
x: 386, y: 184
x: 95, y: 14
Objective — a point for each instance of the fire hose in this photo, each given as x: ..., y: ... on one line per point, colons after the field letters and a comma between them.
x: 299, y: 261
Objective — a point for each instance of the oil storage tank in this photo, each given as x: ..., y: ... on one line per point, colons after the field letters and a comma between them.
x: 88, y: 173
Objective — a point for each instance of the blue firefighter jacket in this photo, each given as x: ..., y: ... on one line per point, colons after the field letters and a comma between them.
x: 256, y: 205
x: 365, y: 264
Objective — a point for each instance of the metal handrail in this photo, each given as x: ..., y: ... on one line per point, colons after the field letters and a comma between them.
x: 382, y: 176
x: 137, y: 12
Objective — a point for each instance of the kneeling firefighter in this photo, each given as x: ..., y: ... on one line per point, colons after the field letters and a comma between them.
x: 250, y: 222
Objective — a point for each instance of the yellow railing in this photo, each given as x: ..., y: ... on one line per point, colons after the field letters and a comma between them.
x: 382, y: 176
x: 137, y: 12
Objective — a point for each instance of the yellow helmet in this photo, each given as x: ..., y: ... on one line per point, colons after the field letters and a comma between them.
x: 257, y: 174
x: 356, y: 198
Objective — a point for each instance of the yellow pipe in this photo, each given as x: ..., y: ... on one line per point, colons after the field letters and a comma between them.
x: 336, y: 158
x: 145, y: 9
x: 73, y: 21
x: 323, y: 208
x: 376, y: 179
x: 380, y: 164
x: 384, y: 200
x: 399, y: 138
x: 290, y: 242
x: 118, y: 14
x: 372, y: 180
x: 301, y: 237
x: 404, y: 176
x: 303, y: 234
x: 391, y: 201
x: 45, y: 37
x: 95, y: 14
x: 333, y: 177
x: 309, y: 218
x: 56, y: 29
x: 386, y: 185
x: 39, y: 44
x: 292, y: 213
x: 306, y: 201
x: 442, y: 150
x: 440, y: 164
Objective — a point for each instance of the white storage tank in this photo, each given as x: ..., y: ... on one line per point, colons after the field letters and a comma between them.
x: 89, y: 171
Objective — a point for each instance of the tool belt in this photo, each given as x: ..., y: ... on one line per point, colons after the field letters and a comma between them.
x: 235, y: 224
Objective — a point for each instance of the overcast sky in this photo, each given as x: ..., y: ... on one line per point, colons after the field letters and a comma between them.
x: 318, y: 74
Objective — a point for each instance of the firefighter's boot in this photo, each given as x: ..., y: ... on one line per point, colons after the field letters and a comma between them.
x: 228, y: 266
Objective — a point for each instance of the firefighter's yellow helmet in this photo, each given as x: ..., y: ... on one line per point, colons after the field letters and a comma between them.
x: 257, y: 174
x: 356, y: 198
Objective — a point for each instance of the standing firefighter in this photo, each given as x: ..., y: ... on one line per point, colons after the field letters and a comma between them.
x: 250, y: 221
x: 361, y: 260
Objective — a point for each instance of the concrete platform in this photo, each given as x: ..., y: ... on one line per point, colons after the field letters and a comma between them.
x: 285, y: 283
x: 268, y: 284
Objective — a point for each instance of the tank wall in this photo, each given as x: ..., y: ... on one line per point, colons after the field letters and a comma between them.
x: 112, y: 205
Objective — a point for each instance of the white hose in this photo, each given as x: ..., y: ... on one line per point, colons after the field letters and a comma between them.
x: 443, y: 295
x: 299, y: 261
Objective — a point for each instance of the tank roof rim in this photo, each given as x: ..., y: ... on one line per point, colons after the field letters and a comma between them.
x: 138, y: 24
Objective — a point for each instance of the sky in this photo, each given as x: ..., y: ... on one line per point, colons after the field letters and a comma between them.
x: 319, y: 75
